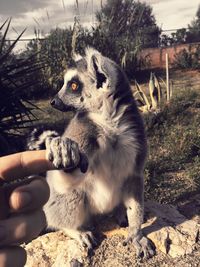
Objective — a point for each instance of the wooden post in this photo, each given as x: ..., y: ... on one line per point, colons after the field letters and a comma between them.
x: 167, y: 77
x: 171, y: 88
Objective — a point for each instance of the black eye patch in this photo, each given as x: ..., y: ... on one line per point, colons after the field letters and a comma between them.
x: 74, y: 85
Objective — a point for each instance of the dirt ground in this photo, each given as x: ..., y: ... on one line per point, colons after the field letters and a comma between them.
x: 112, y: 253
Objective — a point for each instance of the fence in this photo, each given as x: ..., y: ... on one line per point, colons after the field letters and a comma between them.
x: 156, y: 56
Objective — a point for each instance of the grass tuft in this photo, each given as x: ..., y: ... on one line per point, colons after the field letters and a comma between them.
x: 173, y: 166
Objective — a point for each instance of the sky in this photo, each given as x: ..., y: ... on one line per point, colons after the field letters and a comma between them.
x: 47, y: 14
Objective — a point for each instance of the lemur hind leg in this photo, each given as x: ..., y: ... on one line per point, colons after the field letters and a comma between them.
x: 67, y: 208
x: 133, y: 200
x: 69, y: 213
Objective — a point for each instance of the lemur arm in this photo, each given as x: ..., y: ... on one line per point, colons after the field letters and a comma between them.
x: 72, y: 153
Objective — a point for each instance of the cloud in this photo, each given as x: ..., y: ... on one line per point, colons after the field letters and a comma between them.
x: 17, y: 8
x: 172, y: 14
x: 45, y: 14
x: 48, y: 14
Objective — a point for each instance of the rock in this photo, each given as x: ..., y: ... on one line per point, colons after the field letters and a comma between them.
x: 53, y: 250
x: 171, y: 232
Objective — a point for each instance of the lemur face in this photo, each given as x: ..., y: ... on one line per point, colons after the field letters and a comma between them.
x: 86, y: 86
x: 69, y: 98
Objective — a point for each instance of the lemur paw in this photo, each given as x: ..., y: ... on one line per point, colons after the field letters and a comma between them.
x: 63, y: 152
x: 75, y: 263
x: 145, y: 248
x: 87, y: 240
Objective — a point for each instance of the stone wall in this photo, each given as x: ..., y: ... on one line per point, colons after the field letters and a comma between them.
x: 156, y: 56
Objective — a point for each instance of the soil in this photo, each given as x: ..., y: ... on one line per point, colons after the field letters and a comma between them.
x: 112, y: 253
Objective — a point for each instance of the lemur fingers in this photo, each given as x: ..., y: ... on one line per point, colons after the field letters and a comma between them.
x: 63, y: 152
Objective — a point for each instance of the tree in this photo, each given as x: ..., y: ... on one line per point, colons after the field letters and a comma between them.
x: 54, y: 53
x: 178, y: 37
x: 182, y: 36
x: 131, y: 19
x: 193, y: 33
x: 124, y: 27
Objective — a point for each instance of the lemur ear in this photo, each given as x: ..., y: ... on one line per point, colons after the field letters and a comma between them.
x: 100, y: 75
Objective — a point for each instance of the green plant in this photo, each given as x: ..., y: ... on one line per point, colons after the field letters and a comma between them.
x: 15, y: 111
x: 125, y: 27
x: 54, y: 53
x: 174, y: 148
x: 188, y: 59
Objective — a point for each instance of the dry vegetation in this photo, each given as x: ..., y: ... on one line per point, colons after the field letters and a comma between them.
x: 173, y: 166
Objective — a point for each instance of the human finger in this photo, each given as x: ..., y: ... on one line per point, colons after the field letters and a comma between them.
x: 5, y: 193
x: 23, y: 164
x: 22, y: 227
x: 30, y: 196
x: 12, y: 256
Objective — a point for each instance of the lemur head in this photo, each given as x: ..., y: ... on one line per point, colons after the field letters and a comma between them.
x: 89, y: 83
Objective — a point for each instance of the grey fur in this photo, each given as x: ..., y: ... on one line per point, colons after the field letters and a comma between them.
x: 109, y: 130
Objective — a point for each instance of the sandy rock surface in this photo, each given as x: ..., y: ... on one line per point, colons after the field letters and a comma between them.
x: 174, y: 236
x: 171, y: 232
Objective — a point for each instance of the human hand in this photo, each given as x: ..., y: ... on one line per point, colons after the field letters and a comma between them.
x: 21, y: 215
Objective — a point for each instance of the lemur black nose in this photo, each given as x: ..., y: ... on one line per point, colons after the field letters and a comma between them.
x: 57, y: 103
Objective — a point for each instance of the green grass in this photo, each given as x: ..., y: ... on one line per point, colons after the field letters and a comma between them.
x: 173, y: 166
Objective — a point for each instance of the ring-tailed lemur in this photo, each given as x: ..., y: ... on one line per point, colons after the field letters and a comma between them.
x: 107, y: 128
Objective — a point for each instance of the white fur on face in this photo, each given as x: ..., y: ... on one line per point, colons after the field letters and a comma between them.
x: 69, y: 75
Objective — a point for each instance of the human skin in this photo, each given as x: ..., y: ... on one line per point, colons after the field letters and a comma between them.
x: 21, y: 215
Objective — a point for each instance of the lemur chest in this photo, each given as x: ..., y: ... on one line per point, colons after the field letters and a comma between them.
x: 104, y: 194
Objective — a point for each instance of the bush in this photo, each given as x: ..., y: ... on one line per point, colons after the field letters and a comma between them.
x: 188, y: 59
x: 54, y: 54
x: 15, y: 112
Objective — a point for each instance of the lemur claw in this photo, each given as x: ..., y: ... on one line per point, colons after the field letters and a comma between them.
x: 145, y: 248
x: 87, y: 240
x: 75, y: 263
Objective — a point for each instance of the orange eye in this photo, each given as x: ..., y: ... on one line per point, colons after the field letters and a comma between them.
x: 74, y: 86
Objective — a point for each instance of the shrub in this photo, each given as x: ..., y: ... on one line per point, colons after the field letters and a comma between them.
x: 188, y: 59
x: 15, y: 112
